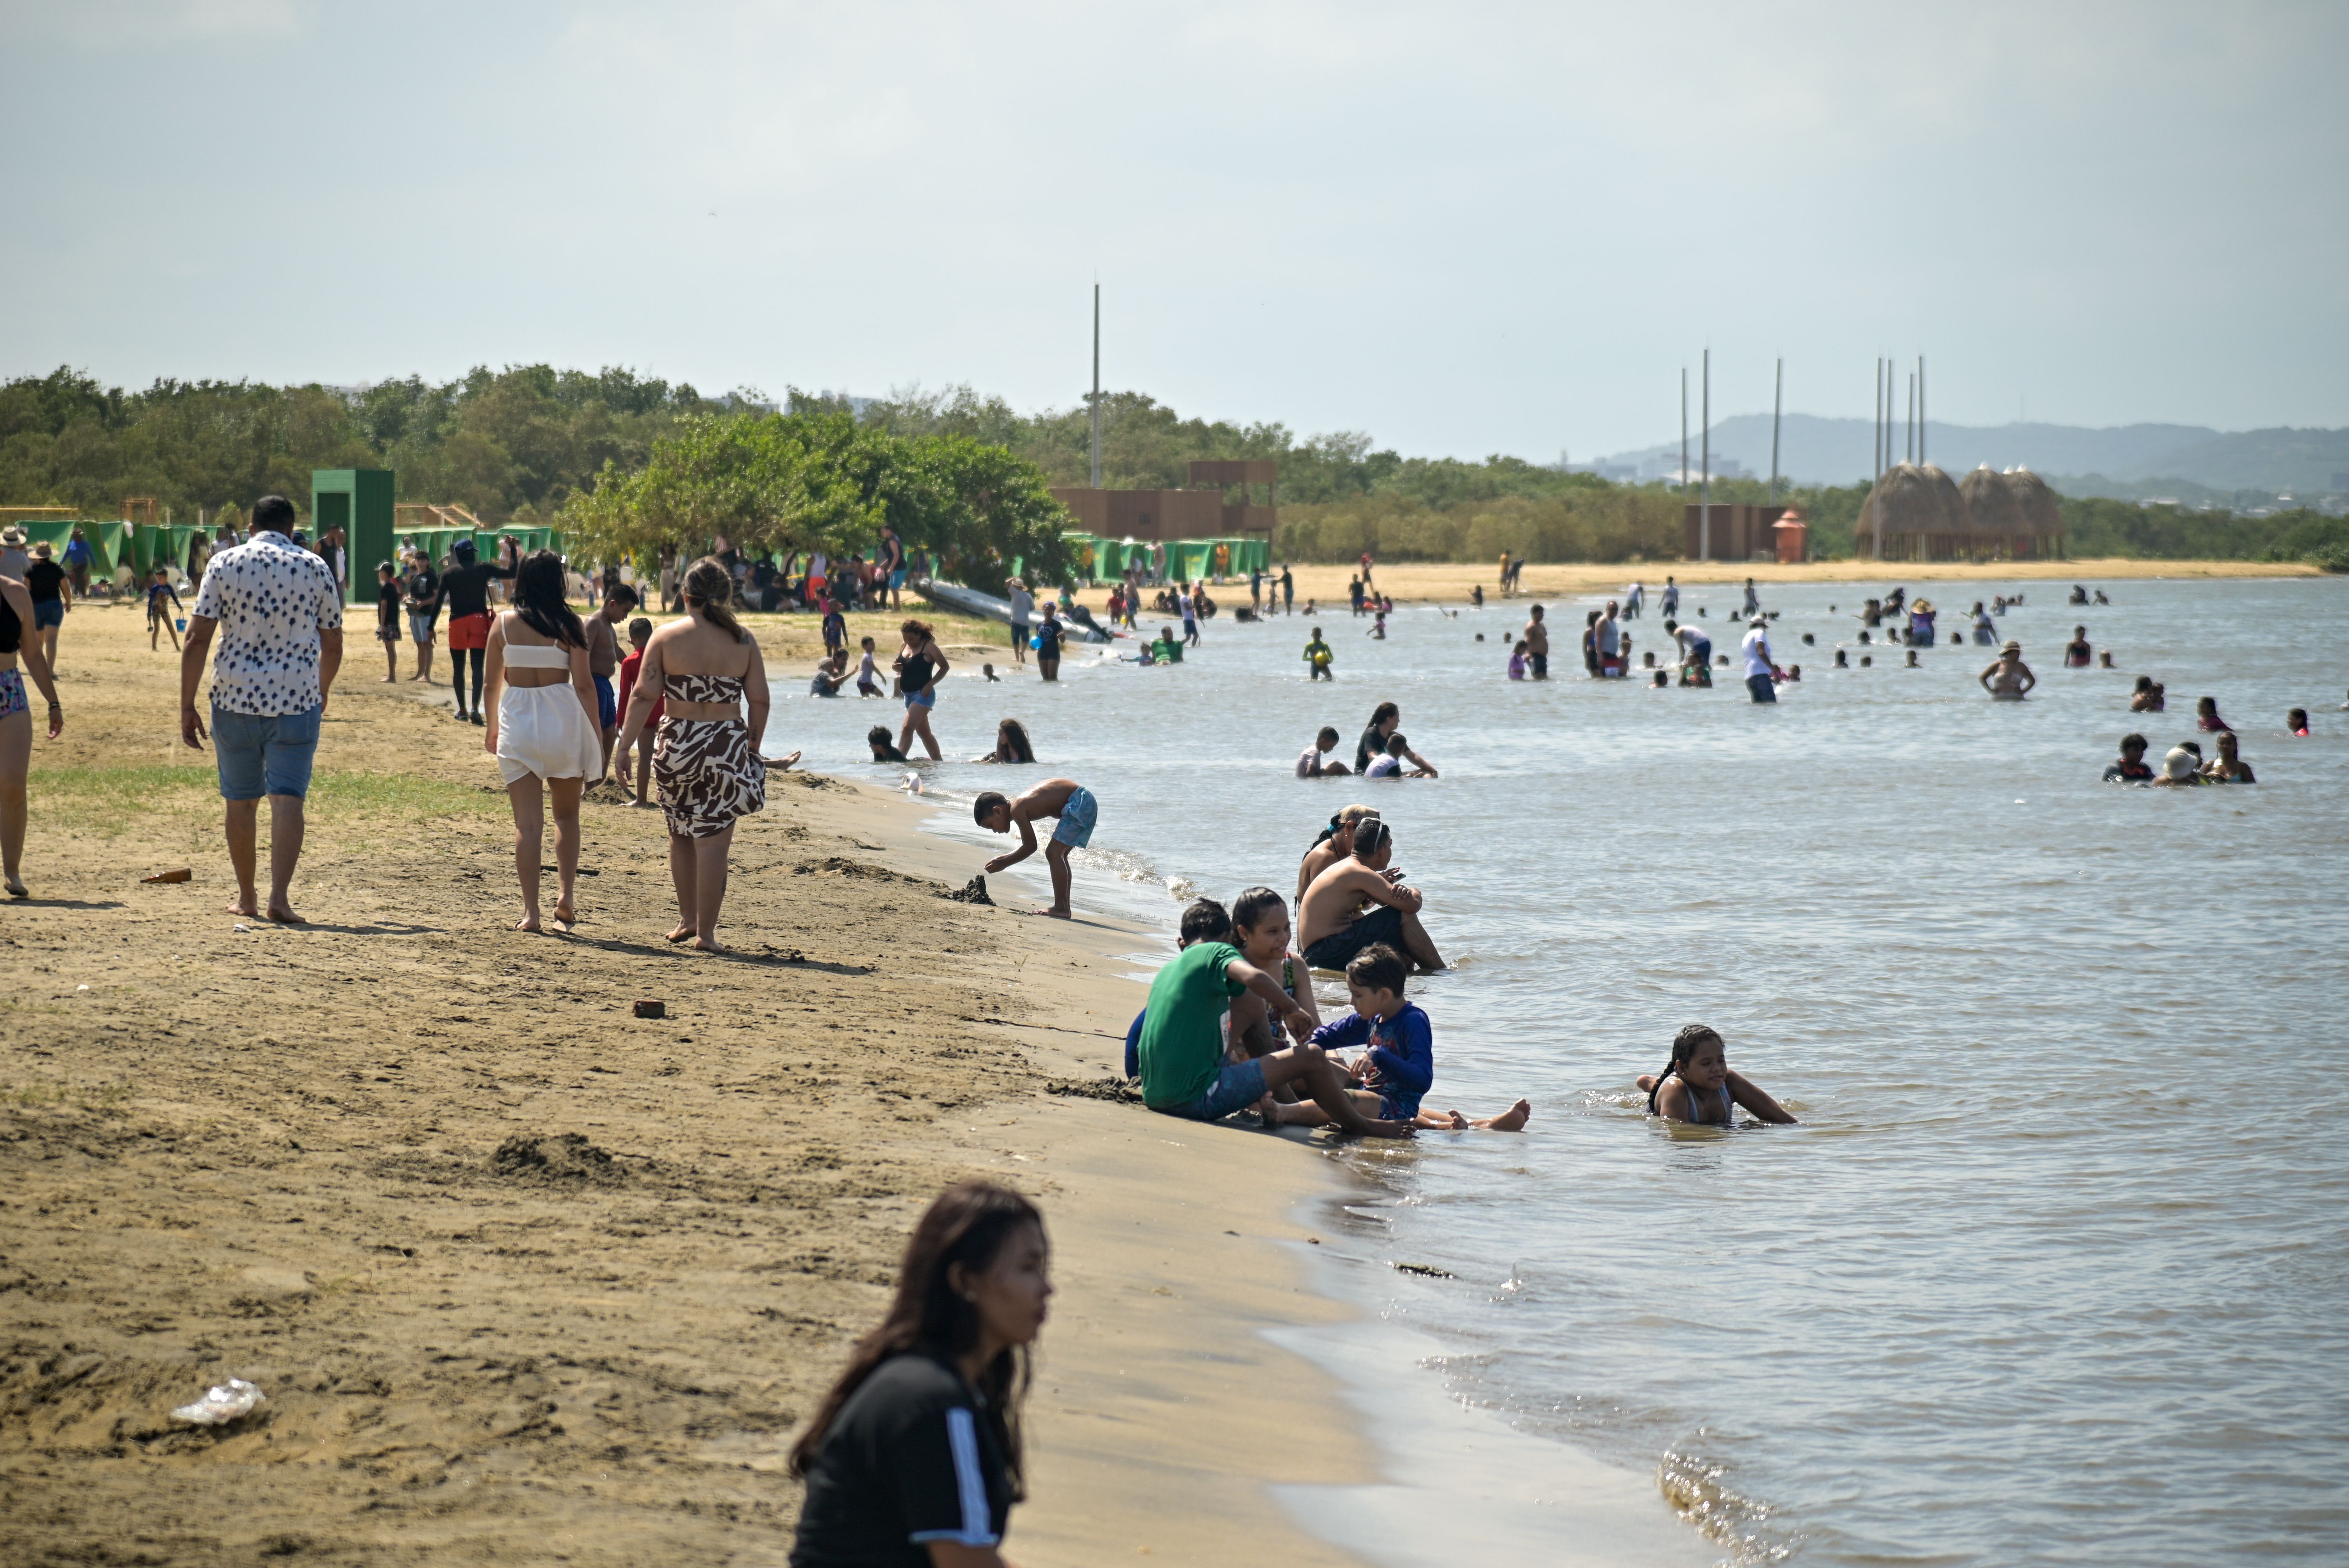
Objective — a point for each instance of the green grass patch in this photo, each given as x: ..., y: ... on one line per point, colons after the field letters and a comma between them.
x: 107, y: 800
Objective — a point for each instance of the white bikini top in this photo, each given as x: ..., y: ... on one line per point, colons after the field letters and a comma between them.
x: 548, y: 657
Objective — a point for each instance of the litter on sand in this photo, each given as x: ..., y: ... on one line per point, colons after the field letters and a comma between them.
x: 222, y: 1404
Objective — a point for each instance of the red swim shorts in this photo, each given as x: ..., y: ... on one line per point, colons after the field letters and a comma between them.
x: 468, y: 632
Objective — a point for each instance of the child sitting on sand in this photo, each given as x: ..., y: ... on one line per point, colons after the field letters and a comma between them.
x: 1064, y: 798
x: 1183, y: 1058
x: 1696, y: 1086
x: 1261, y: 931
x: 1397, y: 1065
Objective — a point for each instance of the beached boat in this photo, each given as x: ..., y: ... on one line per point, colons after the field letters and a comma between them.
x: 962, y: 601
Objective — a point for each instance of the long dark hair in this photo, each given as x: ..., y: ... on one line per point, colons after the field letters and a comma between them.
x: 1011, y: 734
x: 1684, y: 1045
x: 711, y: 586
x: 543, y: 603
x: 967, y: 1224
x: 1383, y: 712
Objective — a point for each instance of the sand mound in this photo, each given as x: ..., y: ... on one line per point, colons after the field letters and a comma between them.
x: 564, y: 1157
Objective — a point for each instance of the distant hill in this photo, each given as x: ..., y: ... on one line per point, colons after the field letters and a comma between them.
x: 1813, y: 451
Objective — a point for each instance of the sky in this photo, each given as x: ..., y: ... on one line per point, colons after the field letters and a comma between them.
x: 1460, y: 228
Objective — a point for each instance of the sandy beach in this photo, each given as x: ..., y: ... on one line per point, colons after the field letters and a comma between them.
x: 527, y: 1278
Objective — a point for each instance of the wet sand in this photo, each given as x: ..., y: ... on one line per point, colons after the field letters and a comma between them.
x: 525, y: 1277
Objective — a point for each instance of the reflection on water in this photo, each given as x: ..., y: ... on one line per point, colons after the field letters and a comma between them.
x: 2051, y: 1271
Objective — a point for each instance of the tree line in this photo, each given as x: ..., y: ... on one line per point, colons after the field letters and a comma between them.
x: 625, y: 461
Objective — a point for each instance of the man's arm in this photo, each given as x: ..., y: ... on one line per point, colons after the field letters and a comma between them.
x: 330, y: 660
x: 192, y: 675
x: 1376, y: 886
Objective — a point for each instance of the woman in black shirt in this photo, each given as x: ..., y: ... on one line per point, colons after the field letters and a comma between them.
x: 913, y: 1460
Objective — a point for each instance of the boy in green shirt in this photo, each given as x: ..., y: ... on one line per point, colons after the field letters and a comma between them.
x: 1182, y: 1051
x: 1317, y: 657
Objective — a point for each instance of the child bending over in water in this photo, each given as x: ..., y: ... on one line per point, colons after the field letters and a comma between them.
x: 1398, y: 1063
x: 1063, y: 799
x: 1697, y: 1086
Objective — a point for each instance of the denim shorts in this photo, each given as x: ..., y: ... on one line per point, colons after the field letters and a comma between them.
x: 48, y: 613
x: 921, y: 699
x: 1240, y: 1086
x: 421, y: 625
x: 265, y: 754
x: 1079, y: 812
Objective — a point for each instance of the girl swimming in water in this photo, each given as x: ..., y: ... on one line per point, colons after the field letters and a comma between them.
x: 1697, y: 1086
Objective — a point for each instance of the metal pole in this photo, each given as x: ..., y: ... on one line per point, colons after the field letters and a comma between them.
x: 1909, y: 424
x: 1920, y: 408
x: 1777, y: 408
x: 1684, y: 432
x: 1096, y: 399
x: 1704, y: 518
x: 1876, y: 433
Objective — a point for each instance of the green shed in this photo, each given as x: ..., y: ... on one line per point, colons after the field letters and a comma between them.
x: 357, y: 501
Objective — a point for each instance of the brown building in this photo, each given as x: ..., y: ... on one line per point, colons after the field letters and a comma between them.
x: 1197, y: 512
x: 1737, y: 533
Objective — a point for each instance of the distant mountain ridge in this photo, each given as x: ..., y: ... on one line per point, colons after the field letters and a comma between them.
x: 1816, y: 450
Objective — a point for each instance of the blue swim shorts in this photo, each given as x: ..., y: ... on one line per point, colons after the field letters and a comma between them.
x: 607, y: 704
x: 265, y: 754
x: 898, y: 578
x: 1761, y: 688
x: 1078, y: 814
x: 1240, y: 1086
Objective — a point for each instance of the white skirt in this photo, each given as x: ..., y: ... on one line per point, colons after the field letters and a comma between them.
x: 544, y: 730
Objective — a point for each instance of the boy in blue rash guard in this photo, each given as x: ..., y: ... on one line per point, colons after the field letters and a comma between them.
x: 1397, y: 1066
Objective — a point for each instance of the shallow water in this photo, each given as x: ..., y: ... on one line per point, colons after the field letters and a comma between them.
x: 2051, y: 1273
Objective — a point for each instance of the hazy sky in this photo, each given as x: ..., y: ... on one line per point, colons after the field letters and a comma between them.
x: 1461, y: 228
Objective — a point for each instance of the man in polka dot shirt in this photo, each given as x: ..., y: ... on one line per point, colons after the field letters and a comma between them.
x: 281, y: 623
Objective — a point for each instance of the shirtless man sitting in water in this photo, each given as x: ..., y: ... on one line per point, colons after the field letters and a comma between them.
x: 1065, y: 799
x: 1332, y: 847
x: 1356, y: 903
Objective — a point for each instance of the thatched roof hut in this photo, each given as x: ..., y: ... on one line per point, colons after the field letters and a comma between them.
x: 1991, y: 502
x: 2043, y: 512
x: 1917, y: 513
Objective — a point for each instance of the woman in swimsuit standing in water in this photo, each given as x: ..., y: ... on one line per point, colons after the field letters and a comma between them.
x: 920, y: 664
x: 705, y: 669
x: 2009, y: 679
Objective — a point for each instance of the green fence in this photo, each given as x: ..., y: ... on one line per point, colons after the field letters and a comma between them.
x: 1101, y: 560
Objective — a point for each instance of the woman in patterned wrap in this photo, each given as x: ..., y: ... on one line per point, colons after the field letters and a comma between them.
x: 706, y: 759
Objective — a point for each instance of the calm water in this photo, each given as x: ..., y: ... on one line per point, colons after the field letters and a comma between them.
x: 2053, y: 1270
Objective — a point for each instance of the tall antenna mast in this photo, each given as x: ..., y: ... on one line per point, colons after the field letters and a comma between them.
x: 1683, y: 432
x: 1096, y: 399
x: 1875, y: 448
x: 1909, y: 424
x: 1777, y: 408
x: 1920, y: 408
x: 1704, y: 523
